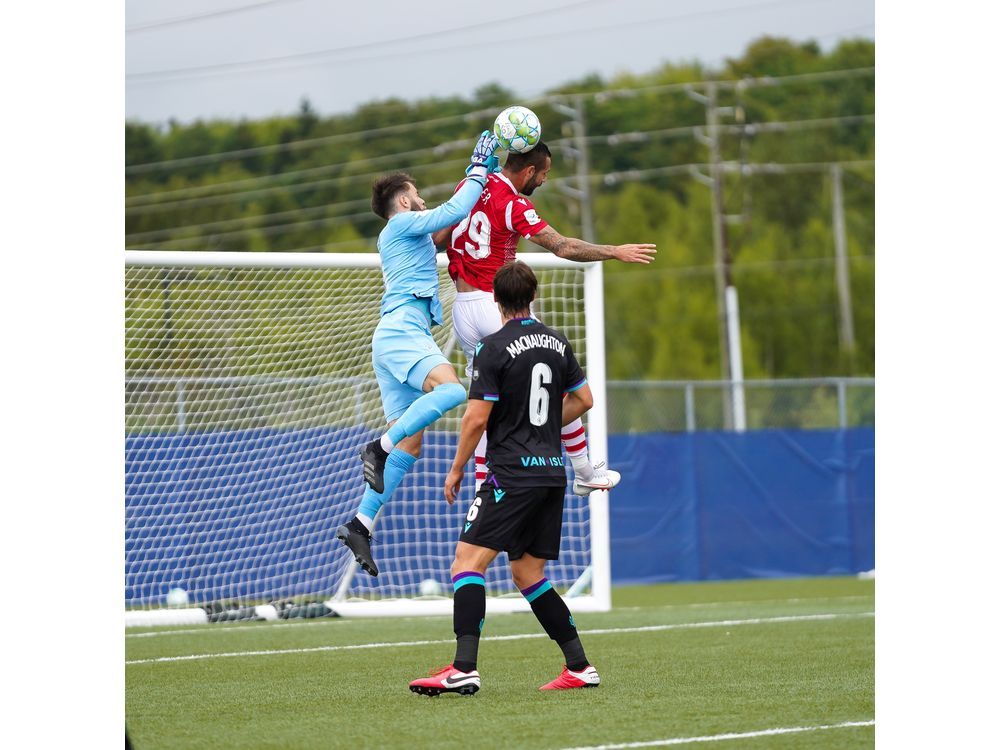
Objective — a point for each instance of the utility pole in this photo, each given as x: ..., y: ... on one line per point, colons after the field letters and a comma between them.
x: 579, y: 152
x: 732, y: 408
x: 843, y: 274
x: 583, y: 171
x: 597, y: 417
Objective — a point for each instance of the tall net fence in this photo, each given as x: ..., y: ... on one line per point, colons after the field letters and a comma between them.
x: 248, y: 393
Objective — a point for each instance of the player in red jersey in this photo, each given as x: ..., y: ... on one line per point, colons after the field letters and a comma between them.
x: 485, y: 240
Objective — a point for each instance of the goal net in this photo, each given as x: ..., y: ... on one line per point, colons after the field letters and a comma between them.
x: 248, y: 391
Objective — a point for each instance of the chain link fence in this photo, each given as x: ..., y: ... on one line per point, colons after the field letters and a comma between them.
x: 633, y: 406
x: 636, y: 406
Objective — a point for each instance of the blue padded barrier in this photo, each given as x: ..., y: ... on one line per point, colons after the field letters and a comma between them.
x: 722, y: 505
x: 251, y: 514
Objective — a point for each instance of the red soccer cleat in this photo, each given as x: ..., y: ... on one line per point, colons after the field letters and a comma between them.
x: 568, y: 680
x: 447, y: 680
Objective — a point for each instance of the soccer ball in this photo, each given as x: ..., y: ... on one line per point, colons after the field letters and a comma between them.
x: 430, y: 587
x: 518, y: 129
x: 177, y: 597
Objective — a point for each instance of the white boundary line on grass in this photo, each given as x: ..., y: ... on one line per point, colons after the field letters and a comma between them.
x: 516, y: 637
x: 792, y: 600
x: 730, y: 736
x: 258, y: 628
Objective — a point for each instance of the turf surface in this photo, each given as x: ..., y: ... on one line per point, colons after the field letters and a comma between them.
x: 807, y: 661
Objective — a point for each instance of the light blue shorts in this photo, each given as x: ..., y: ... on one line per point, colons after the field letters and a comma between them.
x: 403, y: 354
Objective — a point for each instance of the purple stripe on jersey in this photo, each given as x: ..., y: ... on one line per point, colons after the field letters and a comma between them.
x: 491, y: 396
x: 577, y: 386
x: 533, y: 587
x: 466, y: 574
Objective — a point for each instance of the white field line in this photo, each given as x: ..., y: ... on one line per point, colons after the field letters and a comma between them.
x: 794, y: 600
x: 517, y: 637
x: 243, y: 628
x: 730, y: 736
x: 215, y: 627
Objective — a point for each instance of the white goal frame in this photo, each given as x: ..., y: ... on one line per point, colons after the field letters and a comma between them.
x: 597, y: 576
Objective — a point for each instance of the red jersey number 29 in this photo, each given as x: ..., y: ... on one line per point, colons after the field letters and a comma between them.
x: 478, y: 226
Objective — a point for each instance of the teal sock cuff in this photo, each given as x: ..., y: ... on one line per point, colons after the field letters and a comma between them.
x: 533, y: 592
x: 467, y: 578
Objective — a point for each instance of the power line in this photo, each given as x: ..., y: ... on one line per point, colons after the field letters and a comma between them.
x: 609, y: 179
x: 148, y: 201
x: 367, y: 242
x: 265, y: 62
x: 738, y: 267
x: 428, y: 192
x: 228, y: 223
x: 196, y: 190
x: 294, y: 213
x: 695, y: 170
x: 852, y: 30
x: 188, y: 161
x: 307, y: 59
x: 183, y: 20
x: 265, y: 231
x: 598, y: 96
x: 244, y: 194
x: 606, y: 95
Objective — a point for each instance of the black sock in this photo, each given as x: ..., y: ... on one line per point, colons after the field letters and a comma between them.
x: 555, y: 617
x: 469, y: 616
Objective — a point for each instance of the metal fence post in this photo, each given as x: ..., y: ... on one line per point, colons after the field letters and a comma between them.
x: 689, y: 419
x: 842, y: 403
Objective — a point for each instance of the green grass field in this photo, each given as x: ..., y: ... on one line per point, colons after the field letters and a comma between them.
x: 730, y: 658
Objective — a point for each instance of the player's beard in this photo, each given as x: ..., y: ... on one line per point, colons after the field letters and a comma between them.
x: 529, y: 188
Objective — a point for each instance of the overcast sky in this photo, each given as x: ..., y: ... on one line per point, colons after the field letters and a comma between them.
x: 190, y: 59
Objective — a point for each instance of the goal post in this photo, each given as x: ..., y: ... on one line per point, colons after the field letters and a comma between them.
x: 249, y: 389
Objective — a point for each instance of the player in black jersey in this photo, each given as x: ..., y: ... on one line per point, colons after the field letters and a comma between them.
x: 526, y: 384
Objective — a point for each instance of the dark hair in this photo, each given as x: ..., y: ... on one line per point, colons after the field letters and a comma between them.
x: 534, y: 158
x: 514, y: 287
x: 385, y: 190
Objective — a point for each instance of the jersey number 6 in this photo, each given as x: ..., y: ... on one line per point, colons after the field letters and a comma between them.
x: 538, y: 399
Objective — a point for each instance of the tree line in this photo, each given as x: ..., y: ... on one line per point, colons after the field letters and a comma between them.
x: 302, y: 183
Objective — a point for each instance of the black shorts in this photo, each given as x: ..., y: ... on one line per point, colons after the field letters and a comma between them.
x: 516, y: 520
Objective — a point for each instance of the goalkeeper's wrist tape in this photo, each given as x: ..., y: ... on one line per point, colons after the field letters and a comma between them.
x: 478, y: 173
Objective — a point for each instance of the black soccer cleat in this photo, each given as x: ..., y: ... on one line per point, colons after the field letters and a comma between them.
x: 373, y: 457
x: 358, y: 540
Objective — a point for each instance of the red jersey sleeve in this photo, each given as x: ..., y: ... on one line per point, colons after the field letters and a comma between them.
x: 523, y: 219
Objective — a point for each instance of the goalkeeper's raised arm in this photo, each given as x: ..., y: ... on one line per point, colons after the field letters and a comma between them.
x: 416, y: 219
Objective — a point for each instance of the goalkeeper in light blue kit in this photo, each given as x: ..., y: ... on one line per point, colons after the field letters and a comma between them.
x: 417, y: 383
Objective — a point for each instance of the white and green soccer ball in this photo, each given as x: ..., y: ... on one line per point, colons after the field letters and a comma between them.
x: 518, y: 129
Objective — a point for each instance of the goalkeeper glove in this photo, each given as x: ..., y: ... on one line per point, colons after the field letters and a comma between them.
x: 480, y: 164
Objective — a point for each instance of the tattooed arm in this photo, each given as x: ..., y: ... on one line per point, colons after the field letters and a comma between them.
x: 583, y: 252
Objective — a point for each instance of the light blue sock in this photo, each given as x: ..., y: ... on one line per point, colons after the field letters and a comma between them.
x: 396, y: 466
x: 426, y: 410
